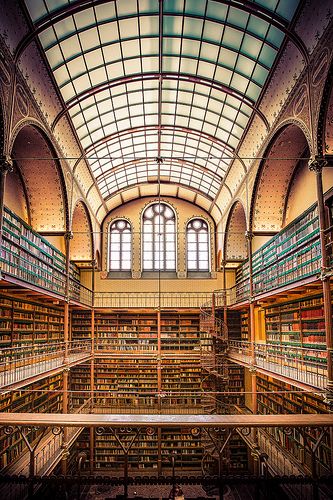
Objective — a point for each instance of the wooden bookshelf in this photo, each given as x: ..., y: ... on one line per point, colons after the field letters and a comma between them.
x: 127, y: 331
x: 234, y: 324
x: 245, y: 326
x: 26, y: 322
x: 40, y: 397
x: 80, y: 324
x: 293, y: 254
x: 275, y: 397
x: 298, y: 323
x: 180, y: 331
x: 236, y: 385
x: 31, y: 258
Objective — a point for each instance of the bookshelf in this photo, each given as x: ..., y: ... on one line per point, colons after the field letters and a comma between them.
x: 138, y: 331
x: 39, y: 397
x: 234, y: 323
x: 81, y: 324
x: 276, y: 397
x: 31, y: 258
x: 297, y: 323
x: 187, y: 449
x: 245, y: 326
x: 26, y: 322
x: 180, y: 331
x: 293, y: 254
x: 127, y: 331
x: 236, y: 384
x: 181, y: 384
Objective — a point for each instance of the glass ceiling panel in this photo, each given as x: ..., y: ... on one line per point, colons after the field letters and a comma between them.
x: 216, y: 59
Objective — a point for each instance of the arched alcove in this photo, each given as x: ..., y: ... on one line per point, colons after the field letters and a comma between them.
x: 42, y: 177
x: 274, y: 177
x: 82, y: 242
x: 235, y: 247
x: 15, y: 196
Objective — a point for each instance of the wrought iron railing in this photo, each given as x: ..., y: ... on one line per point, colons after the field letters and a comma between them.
x: 307, y: 365
x: 150, y: 299
x: 21, y: 363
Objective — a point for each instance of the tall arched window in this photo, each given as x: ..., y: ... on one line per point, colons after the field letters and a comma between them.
x: 197, y: 246
x: 159, y: 238
x: 120, y: 257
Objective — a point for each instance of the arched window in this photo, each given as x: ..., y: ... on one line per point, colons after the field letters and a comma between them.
x: 159, y: 238
x: 197, y: 246
x: 120, y: 257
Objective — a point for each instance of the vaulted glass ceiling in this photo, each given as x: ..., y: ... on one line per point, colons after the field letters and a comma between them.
x: 161, y: 91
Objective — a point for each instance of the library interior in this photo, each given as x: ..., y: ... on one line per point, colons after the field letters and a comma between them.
x: 166, y: 249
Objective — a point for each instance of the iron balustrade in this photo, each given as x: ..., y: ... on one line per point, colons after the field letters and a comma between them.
x: 80, y: 293
x: 20, y: 363
x: 50, y: 450
x: 307, y: 365
x: 151, y: 299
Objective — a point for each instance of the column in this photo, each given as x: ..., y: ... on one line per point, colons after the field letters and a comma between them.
x: 316, y: 165
x: 6, y: 166
x: 65, y: 406
x: 92, y: 371
x: 249, y: 237
x: 224, y: 288
x: 68, y: 237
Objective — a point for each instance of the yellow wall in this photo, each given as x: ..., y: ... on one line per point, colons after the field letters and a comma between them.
x: 132, y: 211
x: 57, y: 241
x: 14, y: 196
x: 303, y: 191
x: 259, y: 241
x: 154, y: 285
x: 248, y: 388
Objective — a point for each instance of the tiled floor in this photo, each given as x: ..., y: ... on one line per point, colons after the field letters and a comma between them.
x: 162, y: 493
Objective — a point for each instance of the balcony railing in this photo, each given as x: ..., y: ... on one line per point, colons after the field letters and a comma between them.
x: 80, y: 293
x: 50, y: 450
x: 21, y: 363
x: 151, y: 299
x: 305, y: 365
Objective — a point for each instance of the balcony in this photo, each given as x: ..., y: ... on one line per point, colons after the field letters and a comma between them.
x: 151, y: 299
x: 22, y: 365
x: 299, y: 366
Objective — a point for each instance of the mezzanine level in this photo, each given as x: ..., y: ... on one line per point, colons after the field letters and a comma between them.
x: 300, y: 366
x: 23, y: 365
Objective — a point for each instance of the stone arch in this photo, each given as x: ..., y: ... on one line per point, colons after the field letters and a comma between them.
x: 325, y: 122
x: 288, y: 146
x: 235, y: 247
x: 82, y: 244
x: 36, y: 159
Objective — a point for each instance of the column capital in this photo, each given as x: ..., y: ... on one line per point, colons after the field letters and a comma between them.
x: 249, y: 235
x: 316, y: 164
x: 68, y: 235
x: 6, y: 164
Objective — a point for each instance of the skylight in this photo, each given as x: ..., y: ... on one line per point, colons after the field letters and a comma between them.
x: 189, y: 105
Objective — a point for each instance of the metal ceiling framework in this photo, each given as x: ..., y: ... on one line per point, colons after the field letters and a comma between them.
x: 161, y: 90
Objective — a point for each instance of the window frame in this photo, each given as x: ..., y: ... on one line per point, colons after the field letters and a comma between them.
x: 153, y: 271
x: 197, y: 271
x: 120, y: 270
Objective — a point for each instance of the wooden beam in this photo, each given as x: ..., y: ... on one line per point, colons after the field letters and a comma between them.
x: 124, y: 420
